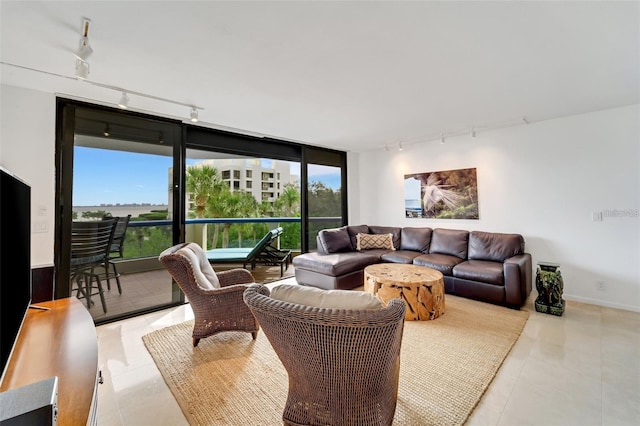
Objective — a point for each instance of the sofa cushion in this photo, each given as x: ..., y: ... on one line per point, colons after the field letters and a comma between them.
x: 450, y: 241
x: 440, y: 262
x: 378, y: 253
x: 494, y: 246
x: 374, y: 241
x: 335, y: 240
x: 416, y: 239
x: 354, y: 230
x: 400, y: 256
x: 331, y: 299
x: 480, y: 270
x: 335, y: 264
x: 393, y: 230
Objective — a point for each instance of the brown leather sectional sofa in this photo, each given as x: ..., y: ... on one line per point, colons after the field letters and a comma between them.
x: 486, y: 266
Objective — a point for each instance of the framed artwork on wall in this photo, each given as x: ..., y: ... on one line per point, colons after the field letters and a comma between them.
x: 448, y: 194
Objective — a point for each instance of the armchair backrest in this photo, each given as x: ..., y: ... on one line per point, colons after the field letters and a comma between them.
x: 188, y: 264
x: 343, y: 364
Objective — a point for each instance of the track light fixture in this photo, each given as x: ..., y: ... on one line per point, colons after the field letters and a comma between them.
x: 442, y: 138
x: 82, y: 69
x: 400, y: 147
x: 82, y: 72
x: 473, y: 132
x: 124, y: 101
x: 194, y: 115
x: 525, y: 120
x: 107, y: 133
x: 386, y: 147
x: 84, y: 50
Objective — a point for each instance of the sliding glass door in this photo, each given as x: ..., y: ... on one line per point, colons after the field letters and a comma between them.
x: 120, y: 167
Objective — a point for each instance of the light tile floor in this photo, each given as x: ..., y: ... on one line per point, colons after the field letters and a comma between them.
x: 579, y: 369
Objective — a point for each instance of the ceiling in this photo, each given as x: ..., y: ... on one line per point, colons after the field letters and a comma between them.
x: 353, y: 75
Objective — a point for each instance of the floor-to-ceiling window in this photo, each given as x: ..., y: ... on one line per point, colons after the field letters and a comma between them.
x: 114, y: 163
x: 325, y: 175
x: 319, y: 169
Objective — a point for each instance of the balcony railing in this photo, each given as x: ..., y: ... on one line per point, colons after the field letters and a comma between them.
x: 147, y: 239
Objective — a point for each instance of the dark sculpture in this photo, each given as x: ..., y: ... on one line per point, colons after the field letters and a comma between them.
x: 550, y: 286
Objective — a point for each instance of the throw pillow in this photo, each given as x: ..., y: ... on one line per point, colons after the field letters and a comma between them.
x: 335, y: 240
x: 374, y: 241
x: 331, y: 299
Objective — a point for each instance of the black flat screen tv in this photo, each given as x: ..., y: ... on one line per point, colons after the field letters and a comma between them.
x: 15, y: 261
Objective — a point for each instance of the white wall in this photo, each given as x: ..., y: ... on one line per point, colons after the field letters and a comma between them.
x: 543, y: 180
x: 27, y: 148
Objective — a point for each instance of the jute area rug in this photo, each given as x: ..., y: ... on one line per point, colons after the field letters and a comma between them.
x: 446, y: 365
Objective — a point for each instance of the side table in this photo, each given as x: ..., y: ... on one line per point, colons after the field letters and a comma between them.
x: 550, y: 286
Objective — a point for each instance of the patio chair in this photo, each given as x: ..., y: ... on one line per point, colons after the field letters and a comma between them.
x: 343, y: 364
x: 90, y: 242
x: 264, y: 252
x: 215, y: 297
x: 116, y: 249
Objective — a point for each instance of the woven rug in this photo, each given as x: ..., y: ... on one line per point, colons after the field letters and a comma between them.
x: 446, y: 365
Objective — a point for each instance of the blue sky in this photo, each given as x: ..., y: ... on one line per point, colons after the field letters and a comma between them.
x: 103, y: 176
x: 115, y: 177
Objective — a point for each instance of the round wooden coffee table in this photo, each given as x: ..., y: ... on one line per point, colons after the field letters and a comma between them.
x: 420, y: 287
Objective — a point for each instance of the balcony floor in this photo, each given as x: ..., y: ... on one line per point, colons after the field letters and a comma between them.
x: 147, y: 289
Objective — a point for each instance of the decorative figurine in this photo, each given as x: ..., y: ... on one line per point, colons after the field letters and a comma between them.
x: 550, y: 286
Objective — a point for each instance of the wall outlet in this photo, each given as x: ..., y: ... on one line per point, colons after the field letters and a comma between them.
x: 600, y: 286
x: 39, y: 227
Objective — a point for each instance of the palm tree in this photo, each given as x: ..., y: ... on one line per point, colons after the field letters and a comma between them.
x: 288, y: 203
x: 218, y: 206
x: 247, y: 207
x: 202, y: 182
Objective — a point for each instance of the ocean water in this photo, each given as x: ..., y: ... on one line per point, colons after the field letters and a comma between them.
x: 412, y: 204
x: 121, y: 210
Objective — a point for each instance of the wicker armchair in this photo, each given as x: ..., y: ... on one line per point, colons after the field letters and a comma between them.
x: 216, y: 298
x: 343, y: 365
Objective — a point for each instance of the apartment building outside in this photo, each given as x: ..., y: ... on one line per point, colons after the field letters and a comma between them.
x: 264, y: 179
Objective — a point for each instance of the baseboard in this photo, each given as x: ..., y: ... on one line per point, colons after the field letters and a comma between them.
x: 603, y: 303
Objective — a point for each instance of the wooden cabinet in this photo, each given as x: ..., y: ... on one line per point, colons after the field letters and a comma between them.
x: 61, y: 341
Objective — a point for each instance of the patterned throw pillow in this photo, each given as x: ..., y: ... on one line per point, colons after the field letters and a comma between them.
x: 374, y: 241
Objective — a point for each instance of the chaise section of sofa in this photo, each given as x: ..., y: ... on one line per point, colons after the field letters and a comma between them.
x: 488, y: 266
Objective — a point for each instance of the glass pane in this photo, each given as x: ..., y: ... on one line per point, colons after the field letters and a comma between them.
x: 112, y: 183
x: 233, y: 202
x: 324, y: 198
